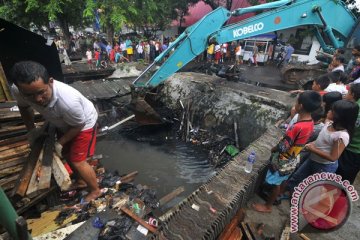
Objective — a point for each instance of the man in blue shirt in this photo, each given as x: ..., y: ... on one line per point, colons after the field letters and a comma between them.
x: 289, y: 51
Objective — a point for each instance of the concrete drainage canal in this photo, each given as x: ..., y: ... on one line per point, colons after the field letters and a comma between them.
x: 205, y: 114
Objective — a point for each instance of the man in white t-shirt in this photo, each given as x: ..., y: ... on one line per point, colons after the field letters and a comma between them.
x: 67, y: 109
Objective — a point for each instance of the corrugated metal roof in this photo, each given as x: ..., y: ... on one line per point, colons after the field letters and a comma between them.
x: 103, y: 89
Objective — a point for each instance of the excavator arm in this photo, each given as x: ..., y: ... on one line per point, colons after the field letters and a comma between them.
x: 332, y: 16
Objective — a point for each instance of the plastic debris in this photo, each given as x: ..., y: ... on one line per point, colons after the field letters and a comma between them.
x: 97, y: 223
x: 195, y: 207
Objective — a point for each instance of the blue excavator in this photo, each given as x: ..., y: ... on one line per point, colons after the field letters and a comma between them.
x: 332, y: 21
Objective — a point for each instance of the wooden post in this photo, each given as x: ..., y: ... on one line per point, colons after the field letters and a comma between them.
x: 34, y: 180
x: 138, y: 219
x: 4, y: 84
x: 60, y: 173
x: 45, y: 175
x: 171, y: 195
x: 25, y: 175
x: 228, y: 229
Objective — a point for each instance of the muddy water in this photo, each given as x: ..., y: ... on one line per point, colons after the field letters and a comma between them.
x: 163, y: 162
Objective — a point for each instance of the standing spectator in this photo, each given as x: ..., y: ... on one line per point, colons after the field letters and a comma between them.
x: 338, y: 79
x: 117, y: 47
x: 355, y: 72
x: 152, y: 50
x: 129, y: 49
x: 67, y: 61
x: 330, y: 144
x: 210, y: 52
x: 140, y: 50
x: 96, y: 45
x: 89, y: 58
x: 123, y: 48
x: 232, y: 51
x: 253, y: 55
x: 286, y: 152
x: 289, y: 51
x: 238, y: 57
x: 270, y: 51
x: 157, y: 48
x: 97, y: 58
x: 108, y: 49
x: 217, y: 51
x: 147, y: 51
x: 223, y: 52
x: 337, y: 64
x: 349, y: 162
x: 112, y: 55
x: 355, y: 53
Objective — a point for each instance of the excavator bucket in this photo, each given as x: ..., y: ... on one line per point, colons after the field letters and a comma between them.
x: 141, y: 105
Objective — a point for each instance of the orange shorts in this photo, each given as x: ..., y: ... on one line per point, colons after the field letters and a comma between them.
x: 82, y: 146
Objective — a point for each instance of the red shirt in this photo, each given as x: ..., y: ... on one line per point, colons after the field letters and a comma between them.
x: 112, y: 55
x: 97, y: 55
x: 295, y: 138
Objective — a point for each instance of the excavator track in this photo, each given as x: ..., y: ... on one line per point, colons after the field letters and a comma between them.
x: 301, y: 74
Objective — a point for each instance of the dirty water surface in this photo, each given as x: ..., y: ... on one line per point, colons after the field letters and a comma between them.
x: 164, y: 162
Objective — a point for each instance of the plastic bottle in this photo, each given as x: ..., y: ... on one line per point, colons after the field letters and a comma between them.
x: 250, y: 162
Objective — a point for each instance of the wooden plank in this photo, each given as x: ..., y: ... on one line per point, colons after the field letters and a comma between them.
x: 11, y: 162
x: 25, y: 175
x: 228, y: 229
x: 6, y: 180
x: 139, y: 220
x: 2, y: 95
x: 14, y: 145
x: 45, y: 176
x: 46, y: 223
x: 170, y: 196
x: 9, y: 129
x: 7, y: 141
x: 60, y: 173
x: 15, y: 152
x: 4, y: 84
x: 129, y: 177
x: 9, y: 185
x: 6, y: 116
x: 236, y: 234
x: 34, y: 180
x: 245, y: 231
x: 10, y: 170
x: 59, y: 234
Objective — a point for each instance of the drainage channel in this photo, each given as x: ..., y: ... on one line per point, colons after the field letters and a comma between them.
x: 164, y: 162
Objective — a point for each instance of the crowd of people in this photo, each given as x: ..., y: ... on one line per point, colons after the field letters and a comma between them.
x: 100, y: 52
x: 322, y: 134
x: 234, y: 52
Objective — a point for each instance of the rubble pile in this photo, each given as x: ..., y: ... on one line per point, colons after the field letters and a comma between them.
x: 131, y: 205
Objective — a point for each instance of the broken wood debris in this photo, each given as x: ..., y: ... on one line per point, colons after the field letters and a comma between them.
x: 24, y: 173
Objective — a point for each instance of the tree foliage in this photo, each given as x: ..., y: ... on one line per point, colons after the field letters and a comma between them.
x: 146, y: 16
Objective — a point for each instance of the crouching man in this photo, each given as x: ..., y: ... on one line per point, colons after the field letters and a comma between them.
x: 73, y: 115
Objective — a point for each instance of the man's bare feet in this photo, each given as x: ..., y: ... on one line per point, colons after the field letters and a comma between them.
x: 261, y: 208
x: 93, y: 195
